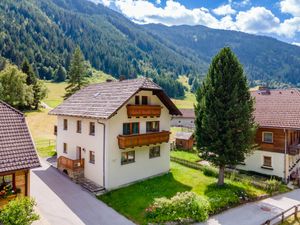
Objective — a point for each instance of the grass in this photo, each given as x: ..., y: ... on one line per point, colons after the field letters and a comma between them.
x: 190, y: 156
x: 55, y: 93
x: 189, y: 99
x: 292, y: 220
x: 132, y: 201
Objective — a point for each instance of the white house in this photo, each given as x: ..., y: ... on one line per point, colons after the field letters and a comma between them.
x: 186, y: 119
x: 115, y: 133
x: 277, y: 112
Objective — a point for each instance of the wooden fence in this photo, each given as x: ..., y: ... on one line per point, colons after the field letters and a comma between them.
x: 45, y: 143
x: 283, y: 216
x: 186, y: 163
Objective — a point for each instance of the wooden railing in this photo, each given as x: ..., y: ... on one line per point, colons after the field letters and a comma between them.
x: 131, y: 141
x: 70, y: 163
x: 143, y: 110
x: 294, y: 149
x: 280, y: 218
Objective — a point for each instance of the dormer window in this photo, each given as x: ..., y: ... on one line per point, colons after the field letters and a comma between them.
x: 144, y: 100
x: 267, y: 137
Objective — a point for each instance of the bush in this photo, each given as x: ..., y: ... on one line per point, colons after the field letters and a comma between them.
x: 19, y: 212
x: 210, y: 171
x: 183, y: 206
x: 272, y: 185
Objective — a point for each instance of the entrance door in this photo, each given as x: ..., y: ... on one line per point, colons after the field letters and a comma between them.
x: 78, y: 152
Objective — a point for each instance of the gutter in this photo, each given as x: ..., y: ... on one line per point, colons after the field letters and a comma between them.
x: 285, y: 152
x: 104, y: 128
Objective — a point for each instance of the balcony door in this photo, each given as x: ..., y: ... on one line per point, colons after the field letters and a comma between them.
x: 78, y: 152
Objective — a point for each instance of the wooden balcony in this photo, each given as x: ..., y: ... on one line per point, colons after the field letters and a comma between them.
x: 136, y: 140
x: 143, y: 110
x: 70, y: 163
x: 294, y: 149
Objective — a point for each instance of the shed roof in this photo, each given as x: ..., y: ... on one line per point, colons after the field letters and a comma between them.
x: 184, y: 135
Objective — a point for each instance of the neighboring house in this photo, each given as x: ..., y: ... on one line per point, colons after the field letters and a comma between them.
x: 184, y: 140
x: 186, y: 119
x: 17, y: 154
x: 277, y: 113
x: 115, y: 133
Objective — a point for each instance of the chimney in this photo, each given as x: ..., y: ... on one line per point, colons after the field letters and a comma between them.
x: 122, y: 77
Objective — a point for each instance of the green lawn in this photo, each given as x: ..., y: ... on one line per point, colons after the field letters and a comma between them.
x: 55, y: 93
x: 132, y: 201
x: 190, y: 156
x: 189, y: 100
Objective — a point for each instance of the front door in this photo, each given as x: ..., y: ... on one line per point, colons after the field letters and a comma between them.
x: 78, y: 152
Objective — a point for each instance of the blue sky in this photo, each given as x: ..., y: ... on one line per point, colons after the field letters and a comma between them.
x: 275, y: 18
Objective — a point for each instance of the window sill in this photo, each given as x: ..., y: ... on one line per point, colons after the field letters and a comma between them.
x: 267, y: 167
x: 125, y: 163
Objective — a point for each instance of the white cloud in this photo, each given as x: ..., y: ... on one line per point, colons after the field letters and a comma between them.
x: 158, y: 2
x: 296, y: 43
x: 290, y: 6
x: 224, y: 10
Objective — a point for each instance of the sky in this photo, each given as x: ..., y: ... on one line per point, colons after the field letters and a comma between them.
x: 276, y: 18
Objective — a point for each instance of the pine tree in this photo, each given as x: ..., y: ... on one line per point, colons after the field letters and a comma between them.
x: 225, y: 125
x: 60, y: 74
x: 27, y: 69
x: 77, y: 73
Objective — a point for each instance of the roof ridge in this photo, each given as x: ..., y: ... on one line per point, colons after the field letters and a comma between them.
x: 12, y: 108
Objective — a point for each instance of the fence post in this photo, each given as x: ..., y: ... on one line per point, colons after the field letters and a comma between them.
x: 282, y: 217
x: 296, y: 212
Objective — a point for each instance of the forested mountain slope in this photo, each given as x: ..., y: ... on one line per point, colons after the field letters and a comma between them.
x: 47, y: 31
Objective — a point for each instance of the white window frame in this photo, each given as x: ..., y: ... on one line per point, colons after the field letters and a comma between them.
x: 263, y: 137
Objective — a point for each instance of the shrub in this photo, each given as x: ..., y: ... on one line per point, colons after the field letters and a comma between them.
x: 220, y: 199
x: 183, y: 206
x: 272, y: 185
x: 19, y: 212
x: 210, y: 171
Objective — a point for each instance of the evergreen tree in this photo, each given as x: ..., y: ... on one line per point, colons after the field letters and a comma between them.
x: 77, y: 73
x: 60, y: 74
x: 27, y: 69
x: 225, y: 126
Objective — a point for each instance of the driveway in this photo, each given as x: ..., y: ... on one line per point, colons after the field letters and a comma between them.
x: 257, y: 212
x: 62, y: 202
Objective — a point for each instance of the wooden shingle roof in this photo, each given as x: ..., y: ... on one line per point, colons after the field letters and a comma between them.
x: 277, y: 108
x: 17, y: 150
x: 103, y: 100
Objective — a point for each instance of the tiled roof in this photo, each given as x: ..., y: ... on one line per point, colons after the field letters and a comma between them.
x: 16, y: 147
x: 187, y: 113
x: 183, y: 135
x: 277, y: 108
x: 104, y: 99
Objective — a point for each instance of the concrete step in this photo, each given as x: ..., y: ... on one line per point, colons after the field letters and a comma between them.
x: 90, y: 185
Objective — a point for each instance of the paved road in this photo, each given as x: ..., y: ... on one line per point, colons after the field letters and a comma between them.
x: 62, y: 202
x: 256, y: 213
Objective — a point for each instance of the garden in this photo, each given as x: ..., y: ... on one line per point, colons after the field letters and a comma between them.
x: 165, y: 198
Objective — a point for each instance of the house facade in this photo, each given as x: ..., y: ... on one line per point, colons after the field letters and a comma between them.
x: 186, y: 119
x: 17, y: 154
x: 184, y: 140
x: 277, y: 112
x: 115, y: 133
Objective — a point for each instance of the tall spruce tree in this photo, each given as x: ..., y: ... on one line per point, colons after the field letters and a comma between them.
x: 225, y: 125
x: 28, y: 70
x: 77, y: 73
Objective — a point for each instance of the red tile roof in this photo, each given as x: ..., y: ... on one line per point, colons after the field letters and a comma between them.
x: 187, y: 113
x: 16, y: 147
x: 104, y: 99
x: 277, y: 108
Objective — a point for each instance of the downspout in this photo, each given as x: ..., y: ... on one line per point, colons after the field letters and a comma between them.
x: 104, y: 128
x: 285, y: 152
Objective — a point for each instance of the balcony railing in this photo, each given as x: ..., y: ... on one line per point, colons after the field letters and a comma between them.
x: 294, y: 149
x: 70, y: 163
x: 143, y: 110
x: 136, y: 140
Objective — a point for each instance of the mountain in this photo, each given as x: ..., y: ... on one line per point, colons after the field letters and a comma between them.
x: 47, y: 31
x: 263, y: 58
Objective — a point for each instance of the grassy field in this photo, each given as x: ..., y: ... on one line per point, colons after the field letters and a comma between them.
x: 190, y: 156
x: 56, y: 92
x: 128, y: 200
x: 189, y: 100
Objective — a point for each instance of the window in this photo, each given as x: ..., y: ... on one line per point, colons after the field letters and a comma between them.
x: 78, y: 126
x: 6, y: 180
x: 65, y: 148
x: 92, y: 128
x: 137, y: 100
x: 144, y: 100
x: 267, y: 137
x: 152, y: 126
x: 131, y: 128
x: 154, y: 152
x: 92, y: 157
x: 65, y: 124
x: 127, y: 157
x: 267, y: 161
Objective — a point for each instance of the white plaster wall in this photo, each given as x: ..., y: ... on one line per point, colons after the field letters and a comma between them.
x: 73, y: 139
x: 254, y: 162
x: 143, y: 167
x: 182, y: 122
